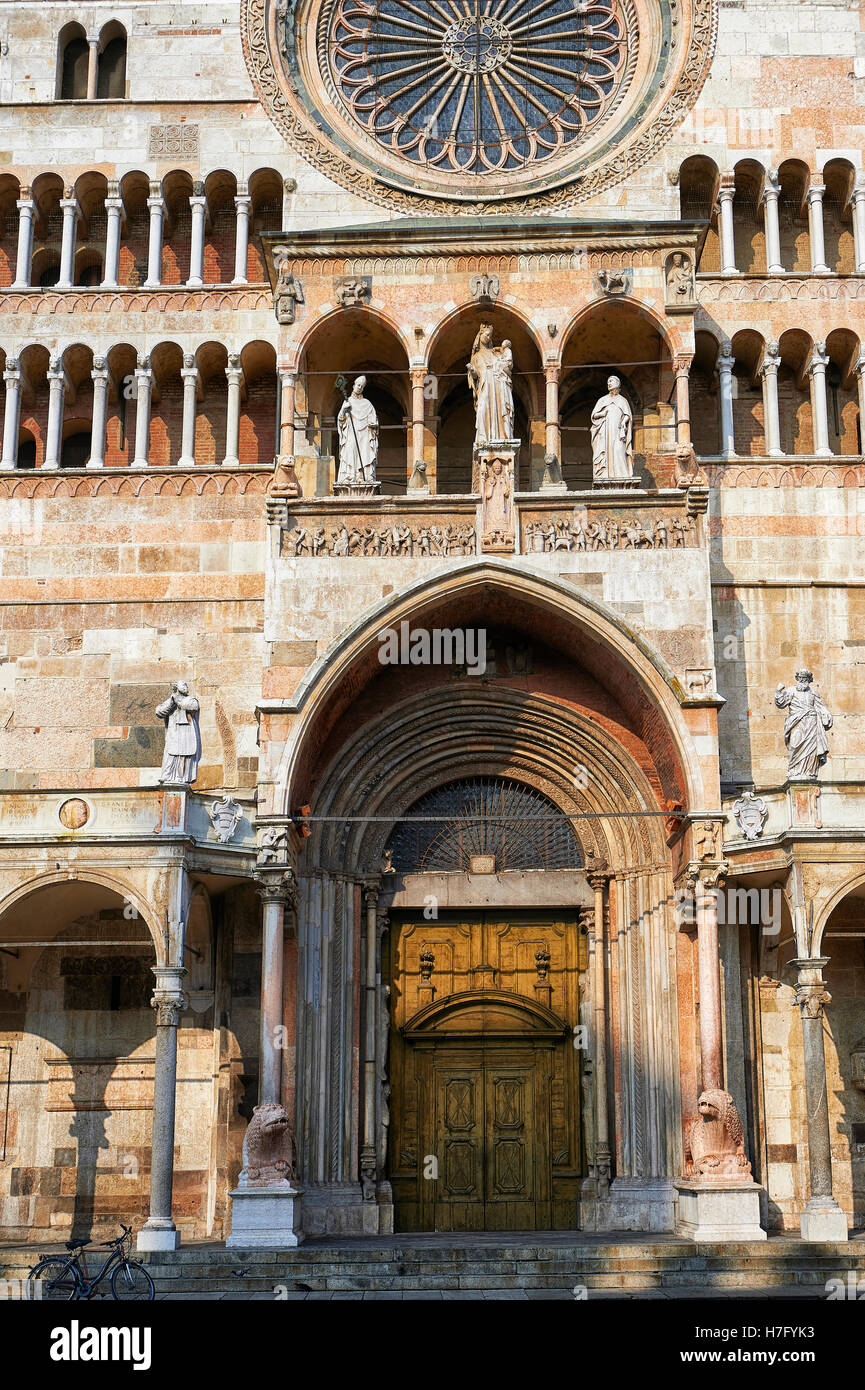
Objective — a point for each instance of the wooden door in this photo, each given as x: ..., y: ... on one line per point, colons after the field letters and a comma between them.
x: 485, y: 1101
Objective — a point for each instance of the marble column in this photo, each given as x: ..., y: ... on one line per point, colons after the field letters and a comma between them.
x: 99, y: 376
x: 819, y: 403
x: 858, y: 200
x: 234, y: 373
x: 706, y: 881
x: 682, y: 366
x: 287, y: 389
x: 198, y: 204
x: 56, y: 398
x: 771, y: 413
x: 92, y: 68
x: 418, y: 402
x: 71, y: 213
x: 243, y: 204
x: 156, y: 205
x: 169, y: 1001
x: 726, y: 363
x: 598, y: 879
x: 553, y: 427
x: 771, y: 196
x: 12, y: 413
x: 726, y: 194
x: 815, y: 226
x: 143, y: 388
x: 114, y: 214
x: 271, y: 1022
x: 368, y: 1164
x: 822, y: 1218
x: 189, y: 376
x: 24, y: 261
x: 860, y: 382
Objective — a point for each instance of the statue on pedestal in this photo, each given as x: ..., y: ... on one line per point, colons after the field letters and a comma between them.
x: 490, y: 376
x: 357, y: 425
x: 497, y: 513
x: 804, y: 728
x: 613, y: 435
x: 179, y: 714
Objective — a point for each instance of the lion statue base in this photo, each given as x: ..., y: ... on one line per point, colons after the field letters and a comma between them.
x: 714, y: 1144
x: 268, y: 1149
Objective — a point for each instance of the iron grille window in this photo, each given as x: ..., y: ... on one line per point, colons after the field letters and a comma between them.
x: 516, y: 825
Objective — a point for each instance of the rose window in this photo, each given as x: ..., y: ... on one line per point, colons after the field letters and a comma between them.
x: 477, y: 86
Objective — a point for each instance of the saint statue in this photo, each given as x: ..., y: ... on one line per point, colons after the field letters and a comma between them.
x: 179, y: 714
x: 804, y: 728
x: 357, y: 424
x: 490, y: 374
x: 613, y: 435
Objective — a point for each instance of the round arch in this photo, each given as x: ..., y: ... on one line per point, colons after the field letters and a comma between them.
x: 593, y: 630
x: 844, y: 890
x: 98, y: 878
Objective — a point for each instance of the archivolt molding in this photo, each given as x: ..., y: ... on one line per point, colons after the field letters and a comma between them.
x: 327, y: 674
x: 306, y: 132
x: 121, y: 886
x: 429, y: 739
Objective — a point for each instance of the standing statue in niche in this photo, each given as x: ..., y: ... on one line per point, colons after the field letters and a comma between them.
x: 179, y: 714
x: 490, y: 376
x: 804, y: 728
x: 357, y: 425
x: 612, y: 435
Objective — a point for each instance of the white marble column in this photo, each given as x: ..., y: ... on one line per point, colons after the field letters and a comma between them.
x: 243, y: 204
x: 819, y: 402
x: 56, y: 397
x: 368, y: 1164
x: 12, y: 413
x: 24, y: 261
x: 858, y: 201
x: 198, y: 204
x: 771, y: 223
x: 92, y: 68
x: 598, y: 879
x: 169, y: 1000
x: 143, y: 388
x: 726, y: 363
x: 726, y: 194
x: 822, y: 1218
x: 99, y: 376
x: 860, y: 382
x: 771, y: 413
x: 417, y: 438
x: 71, y: 213
x: 189, y: 376
x: 156, y: 205
x: 815, y: 227
x: 114, y: 213
x: 234, y: 372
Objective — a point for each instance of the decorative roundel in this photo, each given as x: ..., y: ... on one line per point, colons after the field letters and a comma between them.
x: 479, y: 87
x: 433, y: 106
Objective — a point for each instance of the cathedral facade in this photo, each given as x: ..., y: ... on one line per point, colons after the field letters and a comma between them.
x: 433, y: 591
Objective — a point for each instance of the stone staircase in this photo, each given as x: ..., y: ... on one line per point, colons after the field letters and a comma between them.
x: 485, y: 1263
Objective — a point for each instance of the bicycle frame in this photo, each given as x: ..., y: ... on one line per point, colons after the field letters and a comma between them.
x: 90, y: 1284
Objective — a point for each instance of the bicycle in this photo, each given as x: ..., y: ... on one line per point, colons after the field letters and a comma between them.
x: 63, y: 1278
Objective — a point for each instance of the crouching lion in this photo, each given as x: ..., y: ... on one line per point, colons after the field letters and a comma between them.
x: 268, y: 1148
x: 715, y: 1147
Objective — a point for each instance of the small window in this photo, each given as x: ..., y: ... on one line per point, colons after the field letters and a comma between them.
x: 73, y: 81
x: 111, y: 74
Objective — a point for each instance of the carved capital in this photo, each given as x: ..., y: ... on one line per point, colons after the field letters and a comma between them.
x: 812, y: 999
x: 169, y: 998
x: 278, y: 885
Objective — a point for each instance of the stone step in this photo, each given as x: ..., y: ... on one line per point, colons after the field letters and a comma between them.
x: 356, y: 1267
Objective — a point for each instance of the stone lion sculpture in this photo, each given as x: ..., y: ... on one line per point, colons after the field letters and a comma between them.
x: 268, y: 1148
x: 714, y: 1144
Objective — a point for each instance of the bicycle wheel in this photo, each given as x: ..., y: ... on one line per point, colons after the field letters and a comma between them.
x: 53, y: 1281
x: 131, y: 1281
